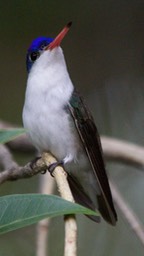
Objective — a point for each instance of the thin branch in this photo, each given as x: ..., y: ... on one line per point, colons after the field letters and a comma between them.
x: 123, y: 151
x: 47, y: 184
x: 6, y: 159
x: 26, y: 171
x: 22, y: 144
x: 128, y: 213
x: 65, y: 192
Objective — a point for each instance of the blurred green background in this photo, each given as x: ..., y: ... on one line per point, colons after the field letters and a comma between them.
x: 105, y: 55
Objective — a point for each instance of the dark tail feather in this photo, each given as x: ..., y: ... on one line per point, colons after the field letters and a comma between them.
x: 111, y: 218
x: 81, y: 197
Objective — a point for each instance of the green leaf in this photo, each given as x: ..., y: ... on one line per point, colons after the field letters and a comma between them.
x: 10, y: 134
x: 17, y: 211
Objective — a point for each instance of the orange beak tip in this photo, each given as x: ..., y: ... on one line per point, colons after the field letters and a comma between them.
x: 57, y: 41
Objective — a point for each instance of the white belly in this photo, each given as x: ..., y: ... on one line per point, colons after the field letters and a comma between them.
x: 52, y: 130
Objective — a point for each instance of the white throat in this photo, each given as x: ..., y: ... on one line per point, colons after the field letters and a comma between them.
x: 49, y: 77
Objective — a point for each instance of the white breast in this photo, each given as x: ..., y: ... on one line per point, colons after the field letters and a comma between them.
x: 49, y: 89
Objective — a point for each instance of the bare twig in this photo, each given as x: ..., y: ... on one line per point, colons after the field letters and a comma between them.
x: 128, y: 213
x: 70, y: 221
x: 22, y: 144
x: 6, y: 159
x: 123, y: 151
x: 46, y: 187
x: 19, y: 172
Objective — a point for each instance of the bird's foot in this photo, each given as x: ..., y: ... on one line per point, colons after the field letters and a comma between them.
x: 33, y: 163
x: 52, y: 167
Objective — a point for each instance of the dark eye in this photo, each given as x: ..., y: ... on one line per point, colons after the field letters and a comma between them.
x: 34, y: 56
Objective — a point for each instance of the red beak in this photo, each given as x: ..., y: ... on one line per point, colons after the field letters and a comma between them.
x: 57, y: 41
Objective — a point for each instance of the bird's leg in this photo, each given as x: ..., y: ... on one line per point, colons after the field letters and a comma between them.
x: 52, y: 167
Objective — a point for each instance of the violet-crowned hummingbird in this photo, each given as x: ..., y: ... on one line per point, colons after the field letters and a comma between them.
x: 58, y: 121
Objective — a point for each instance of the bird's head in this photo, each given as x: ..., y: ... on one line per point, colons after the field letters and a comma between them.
x: 43, y: 44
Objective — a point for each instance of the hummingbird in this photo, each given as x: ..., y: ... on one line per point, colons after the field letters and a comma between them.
x: 58, y: 121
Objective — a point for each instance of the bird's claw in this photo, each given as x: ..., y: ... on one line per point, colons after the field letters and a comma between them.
x: 52, y: 167
x: 33, y: 162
